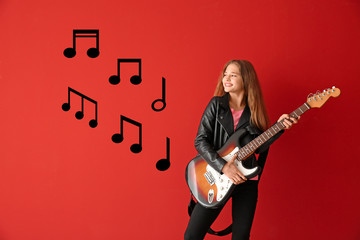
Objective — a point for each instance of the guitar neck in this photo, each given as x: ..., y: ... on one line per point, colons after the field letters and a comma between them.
x: 249, y: 148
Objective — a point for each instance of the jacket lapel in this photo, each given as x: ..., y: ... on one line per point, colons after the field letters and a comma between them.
x: 245, y: 117
x: 224, y: 116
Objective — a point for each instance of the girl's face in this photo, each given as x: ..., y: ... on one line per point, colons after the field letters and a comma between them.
x: 232, y: 80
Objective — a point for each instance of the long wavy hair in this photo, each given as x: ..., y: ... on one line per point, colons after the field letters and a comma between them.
x: 252, y: 97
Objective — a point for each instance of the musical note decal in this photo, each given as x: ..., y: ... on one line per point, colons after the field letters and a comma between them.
x: 80, y: 114
x: 135, y: 79
x: 119, y: 137
x: 162, y: 99
x: 164, y: 164
x: 84, y: 33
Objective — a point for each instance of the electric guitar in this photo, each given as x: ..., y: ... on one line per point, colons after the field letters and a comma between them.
x: 211, y: 188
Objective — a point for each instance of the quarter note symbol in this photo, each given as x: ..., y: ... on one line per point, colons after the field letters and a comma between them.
x: 164, y: 164
x: 161, y: 100
x: 80, y: 114
x: 84, y: 33
x: 135, y: 79
x: 119, y: 137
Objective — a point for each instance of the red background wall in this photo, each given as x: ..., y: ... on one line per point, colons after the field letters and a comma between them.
x: 61, y: 179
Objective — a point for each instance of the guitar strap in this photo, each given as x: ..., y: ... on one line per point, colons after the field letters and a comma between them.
x: 192, y: 203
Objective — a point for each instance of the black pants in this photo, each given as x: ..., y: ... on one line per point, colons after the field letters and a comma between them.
x: 244, y: 199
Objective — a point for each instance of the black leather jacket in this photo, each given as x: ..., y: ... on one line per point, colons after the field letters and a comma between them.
x: 217, y: 125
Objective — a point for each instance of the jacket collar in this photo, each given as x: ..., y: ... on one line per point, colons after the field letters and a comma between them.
x: 225, y: 116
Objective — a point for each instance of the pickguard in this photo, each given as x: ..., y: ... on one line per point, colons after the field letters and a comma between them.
x: 222, y: 182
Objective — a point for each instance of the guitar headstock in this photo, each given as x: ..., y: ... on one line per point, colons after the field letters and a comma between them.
x: 318, y: 99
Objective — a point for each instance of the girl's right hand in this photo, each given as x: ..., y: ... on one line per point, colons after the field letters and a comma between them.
x: 232, y: 172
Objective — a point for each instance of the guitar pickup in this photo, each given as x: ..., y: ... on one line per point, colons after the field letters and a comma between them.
x: 210, y: 178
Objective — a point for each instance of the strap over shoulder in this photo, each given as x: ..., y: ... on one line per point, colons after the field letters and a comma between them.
x: 252, y: 130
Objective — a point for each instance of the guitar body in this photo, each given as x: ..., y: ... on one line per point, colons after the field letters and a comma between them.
x: 211, y: 188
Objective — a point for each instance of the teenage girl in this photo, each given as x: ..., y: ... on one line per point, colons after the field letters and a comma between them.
x: 238, y: 103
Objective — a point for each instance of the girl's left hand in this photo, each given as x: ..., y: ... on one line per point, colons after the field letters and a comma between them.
x: 288, y: 121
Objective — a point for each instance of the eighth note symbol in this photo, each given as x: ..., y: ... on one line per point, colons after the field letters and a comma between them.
x: 80, y: 114
x: 164, y: 164
x: 84, y: 33
x: 162, y: 99
x: 135, y: 79
x: 119, y: 137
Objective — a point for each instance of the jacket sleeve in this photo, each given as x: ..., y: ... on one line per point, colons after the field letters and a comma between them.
x: 205, y: 137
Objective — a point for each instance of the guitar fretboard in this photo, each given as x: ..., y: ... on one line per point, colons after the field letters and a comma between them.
x: 249, y: 148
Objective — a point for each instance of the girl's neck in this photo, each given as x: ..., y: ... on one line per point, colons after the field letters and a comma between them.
x: 236, y: 101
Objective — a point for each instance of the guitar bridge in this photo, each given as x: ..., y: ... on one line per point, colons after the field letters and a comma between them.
x: 210, y: 178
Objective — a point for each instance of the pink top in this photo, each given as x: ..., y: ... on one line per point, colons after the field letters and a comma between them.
x: 236, y: 116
